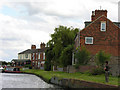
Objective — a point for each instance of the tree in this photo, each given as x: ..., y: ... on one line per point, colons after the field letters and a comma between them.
x: 101, y: 57
x: 4, y: 63
x: 49, y: 58
x: 82, y: 56
x: 61, y: 46
x: 66, y: 56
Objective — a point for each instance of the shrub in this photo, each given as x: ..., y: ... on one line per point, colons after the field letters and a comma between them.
x: 27, y: 65
x: 47, y: 66
x: 97, y: 71
x: 76, y: 66
x: 101, y: 57
x: 82, y: 56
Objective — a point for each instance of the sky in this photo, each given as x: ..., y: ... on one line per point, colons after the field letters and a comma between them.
x: 27, y: 22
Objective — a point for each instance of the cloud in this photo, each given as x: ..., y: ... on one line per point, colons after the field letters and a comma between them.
x: 19, y: 34
x: 35, y: 20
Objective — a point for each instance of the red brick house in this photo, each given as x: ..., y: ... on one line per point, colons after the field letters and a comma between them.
x: 35, y: 56
x: 38, y: 56
x: 100, y: 34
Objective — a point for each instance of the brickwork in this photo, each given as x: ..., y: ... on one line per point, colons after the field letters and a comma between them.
x: 33, y: 47
x: 107, y: 41
x: 82, y: 68
x: 98, y: 13
x: 37, y: 62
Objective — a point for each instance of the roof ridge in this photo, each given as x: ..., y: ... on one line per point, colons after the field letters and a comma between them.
x: 97, y: 19
x: 94, y: 21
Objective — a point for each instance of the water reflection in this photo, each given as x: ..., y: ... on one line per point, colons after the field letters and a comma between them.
x: 0, y: 81
x: 8, y: 80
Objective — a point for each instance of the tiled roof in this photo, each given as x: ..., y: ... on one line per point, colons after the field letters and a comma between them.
x: 32, y: 51
x: 88, y: 22
x: 117, y: 23
x: 20, y: 60
x: 26, y: 51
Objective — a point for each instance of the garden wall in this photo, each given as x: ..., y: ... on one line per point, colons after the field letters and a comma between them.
x: 114, y: 64
x: 72, y: 69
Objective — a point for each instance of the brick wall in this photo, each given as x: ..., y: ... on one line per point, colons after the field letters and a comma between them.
x: 82, y: 68
x: 107, y: 41
x: 97, y: 14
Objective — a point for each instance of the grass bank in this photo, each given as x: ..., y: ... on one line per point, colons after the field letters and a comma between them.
x: 47, y: 75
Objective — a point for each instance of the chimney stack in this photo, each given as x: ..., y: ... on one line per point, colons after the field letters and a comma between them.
x: 97, y: 13
x: 42, y: 45
x: 33, y: 46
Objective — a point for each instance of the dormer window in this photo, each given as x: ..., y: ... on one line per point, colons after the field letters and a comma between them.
x: 119, y: 25
x: 103, y: 26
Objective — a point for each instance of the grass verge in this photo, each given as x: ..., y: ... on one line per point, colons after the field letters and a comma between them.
x: 47, y: 75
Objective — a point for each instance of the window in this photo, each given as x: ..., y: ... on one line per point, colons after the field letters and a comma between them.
x: 20, y: 56
x: 36, y: 56
x: 88, y: 40
x: 43, y: 56
x: 33, y: 56
x: 103, y: 26
x: 33, y: 63
x: 39, y: 56
x: 38, y: 64
x: 42, y: 62
x: 26, y: 55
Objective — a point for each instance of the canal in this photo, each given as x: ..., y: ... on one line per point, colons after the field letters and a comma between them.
x: 10, y: 80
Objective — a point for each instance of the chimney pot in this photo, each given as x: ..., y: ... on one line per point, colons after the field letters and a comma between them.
x: 33, y: 46
x: 98, y: 13
x: 42, y: 45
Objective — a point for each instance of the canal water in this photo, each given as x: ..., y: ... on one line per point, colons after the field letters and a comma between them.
x: 10, y: 80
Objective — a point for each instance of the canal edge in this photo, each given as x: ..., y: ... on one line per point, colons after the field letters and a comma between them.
x: 73, y: 83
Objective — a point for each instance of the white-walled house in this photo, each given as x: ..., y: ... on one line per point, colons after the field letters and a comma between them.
x: 36, y: 56
x: 25, y: 54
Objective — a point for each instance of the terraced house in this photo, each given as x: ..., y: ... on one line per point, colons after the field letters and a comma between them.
x: 34, y: 56
x: 38, y: 56
x: 101, y: 34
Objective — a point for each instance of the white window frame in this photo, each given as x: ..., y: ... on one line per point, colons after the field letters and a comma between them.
x: 89, y: 38
x: 43, y: 56
x: 103, y: 22
x: 42, y: 62
x: 33, y: 56
x: 39, y: 55
x: 38, y: 64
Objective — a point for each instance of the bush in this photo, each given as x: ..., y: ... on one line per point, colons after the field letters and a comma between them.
x: 97, y: 71
x: 47, y: 66
x: 101, y: 57
x: 83, y: 56
x: 76, y: 66
x: 27, y: 65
